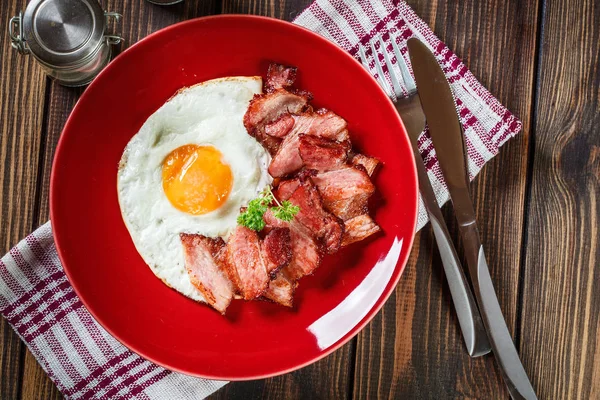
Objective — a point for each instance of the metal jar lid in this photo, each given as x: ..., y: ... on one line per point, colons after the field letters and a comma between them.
x: 63, y: 32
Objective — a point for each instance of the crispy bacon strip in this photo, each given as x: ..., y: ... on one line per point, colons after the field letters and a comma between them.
x: 267, y: 108
x: 280, y: 127
x: 345, y: 191
x: 343, y: 183
x: 370, y: 164
x: 286, y: 188
x: 322, y: 154
x: 287, y: 159
x: 202, y: 259
x: 332, y: 191
x: 306, y: 253
x: 350, y: 207
x: 322, y: 124
x: 359, y: 228
x: 312, y: 215
x: 277, y: 249
x: 245, y: 265
x: 281, y: 290
x: 280, y: 76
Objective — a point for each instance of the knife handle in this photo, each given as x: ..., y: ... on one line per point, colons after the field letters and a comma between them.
x: 503, y: 347
x: 469, y: 319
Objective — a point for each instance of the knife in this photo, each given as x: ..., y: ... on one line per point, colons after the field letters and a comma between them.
x: 470, y: 321
x: 467, y: 312
x: 447, y: 136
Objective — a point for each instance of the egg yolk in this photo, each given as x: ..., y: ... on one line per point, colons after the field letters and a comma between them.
x: 195, y: 179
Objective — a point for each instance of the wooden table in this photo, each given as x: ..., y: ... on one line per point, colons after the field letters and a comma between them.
x: 537, y: 205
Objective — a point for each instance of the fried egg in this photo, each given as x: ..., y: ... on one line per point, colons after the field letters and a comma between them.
x: 189, y: 169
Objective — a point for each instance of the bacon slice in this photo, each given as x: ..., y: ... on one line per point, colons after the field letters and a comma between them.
x: 312, y: 215
x: 343, y: 183
x: 359, y: 228
x: 287, y: 159
x: 245, y: 265
x: 286, y: 188
x: 280, y: 127
x: 322, y: 124
x: 330, y: 184
x: 267, y: 108
x: 322, y: 154
x: 306, y: 253
x: 280, y: 76
x: 277, y: 249
x: 350, y: 207
x: 281, y: 290
x: 345, y: 192
x: 202, y: 263
x: 370, y: 164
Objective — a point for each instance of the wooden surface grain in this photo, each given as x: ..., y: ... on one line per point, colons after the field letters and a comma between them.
x: 536, y: 202
x: 560, y: 323
x: 22, y: 88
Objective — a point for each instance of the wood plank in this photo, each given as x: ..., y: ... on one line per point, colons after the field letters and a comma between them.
x: 149, y: 18
x: 22, y: 88
x: 326, y: 379
x: 330, y: 378
x: 560, y: 321
x: 414, y: 349
x: 281, y: 9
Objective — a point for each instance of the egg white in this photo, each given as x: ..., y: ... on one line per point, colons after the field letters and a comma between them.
x: 209, y: 113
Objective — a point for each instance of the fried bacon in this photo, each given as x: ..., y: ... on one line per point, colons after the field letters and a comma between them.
x: 370, y: 164
x: 343, y: 183
x: 281, y: 290
x: 286, y: 188
x: 345, y: 192
x: 359, y: 228
x: 280, y: 76
x: 325, y: 226
x: 322, y: 154
x: 277, y: 249
x: 306, y: 252
x: 267, y: 108
x: 322, y: 123
x: 245, y: 265
x: 350, y: 207
x: 280, y: 127
x: 203, y: 257
x: 287, y: 159
x: 315, y: 169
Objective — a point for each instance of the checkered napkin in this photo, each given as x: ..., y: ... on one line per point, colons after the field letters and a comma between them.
x: 84, y: 360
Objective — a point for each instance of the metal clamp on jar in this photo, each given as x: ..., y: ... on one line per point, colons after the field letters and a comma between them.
x: 68, y: 37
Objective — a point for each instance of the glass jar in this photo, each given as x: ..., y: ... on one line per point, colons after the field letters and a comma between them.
x: 67, y: 37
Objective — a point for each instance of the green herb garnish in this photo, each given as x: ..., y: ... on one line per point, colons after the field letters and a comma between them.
x: 285, y: 211
x: 253, y: 216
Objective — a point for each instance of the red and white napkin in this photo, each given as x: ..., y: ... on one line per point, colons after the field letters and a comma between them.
x: 84, y: 360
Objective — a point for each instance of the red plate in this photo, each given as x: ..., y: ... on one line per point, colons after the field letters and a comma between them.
x: 255, y: 339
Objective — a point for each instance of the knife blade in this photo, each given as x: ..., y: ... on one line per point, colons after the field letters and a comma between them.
x: 469, y: 319
x: 447, y: 136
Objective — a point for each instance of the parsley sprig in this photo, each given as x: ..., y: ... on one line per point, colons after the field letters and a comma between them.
x: 253, y: 216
